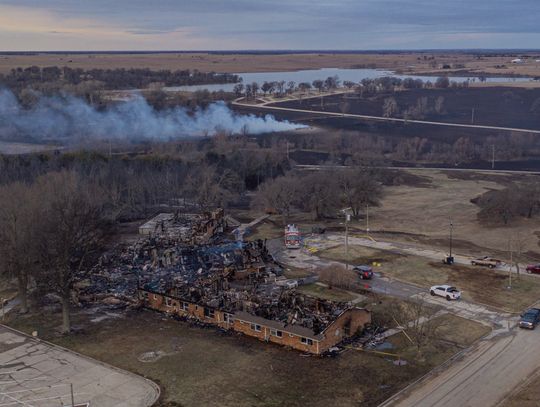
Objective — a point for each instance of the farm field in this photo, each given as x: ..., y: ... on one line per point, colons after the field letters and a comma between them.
x: 403, y: 62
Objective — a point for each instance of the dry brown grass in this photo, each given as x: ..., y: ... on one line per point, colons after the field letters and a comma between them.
x: 478, y: 284
x: 404, y: 62
x: 204, y: 367
x: 428, y: 211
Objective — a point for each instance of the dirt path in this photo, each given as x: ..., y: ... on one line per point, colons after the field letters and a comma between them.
x: 480, y: 378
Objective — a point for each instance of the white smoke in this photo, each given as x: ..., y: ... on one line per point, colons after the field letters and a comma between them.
x: 70, y: 117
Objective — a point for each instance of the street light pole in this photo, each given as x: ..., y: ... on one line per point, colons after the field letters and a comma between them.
x: 451, y: 230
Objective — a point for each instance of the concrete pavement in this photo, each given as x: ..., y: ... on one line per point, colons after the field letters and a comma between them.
x: 36, y: 373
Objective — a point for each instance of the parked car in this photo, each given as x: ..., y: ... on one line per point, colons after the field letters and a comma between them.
x: 533, y: 268
x: 365, y: 271
x: 530, y: 318
x: 486, y: 261
x: 446, y: 291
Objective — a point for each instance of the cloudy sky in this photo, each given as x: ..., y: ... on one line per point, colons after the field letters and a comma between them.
x: 267, y: 24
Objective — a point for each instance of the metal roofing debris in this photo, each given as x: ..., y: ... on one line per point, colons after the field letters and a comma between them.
x: 204, y: 267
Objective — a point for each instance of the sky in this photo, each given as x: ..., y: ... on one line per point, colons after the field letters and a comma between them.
x: 94, y: 25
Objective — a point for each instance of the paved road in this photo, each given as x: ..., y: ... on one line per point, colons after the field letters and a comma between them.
x: 481, y: 378
x: 501, y: 323
x: 265, y: 106
x: 36, y: 374
x: 309, y: 167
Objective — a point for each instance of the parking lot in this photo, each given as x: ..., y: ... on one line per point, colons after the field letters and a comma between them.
x: 35, y: 373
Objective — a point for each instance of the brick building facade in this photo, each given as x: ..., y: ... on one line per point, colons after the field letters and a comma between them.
x: 349, y: 322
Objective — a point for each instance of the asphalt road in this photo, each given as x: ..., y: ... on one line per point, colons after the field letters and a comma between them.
x: 481, y: 378
x: 303, y: 260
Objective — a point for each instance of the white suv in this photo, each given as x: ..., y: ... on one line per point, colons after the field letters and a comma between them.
x: 446, y: 291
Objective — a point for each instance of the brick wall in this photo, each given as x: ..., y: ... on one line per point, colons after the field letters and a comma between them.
x: 278, y: 336
x: 346, y: 325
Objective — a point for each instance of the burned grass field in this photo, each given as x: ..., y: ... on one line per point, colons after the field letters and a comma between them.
x: 493, y: 106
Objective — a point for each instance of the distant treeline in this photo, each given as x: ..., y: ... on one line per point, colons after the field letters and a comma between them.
x: 119, y: 78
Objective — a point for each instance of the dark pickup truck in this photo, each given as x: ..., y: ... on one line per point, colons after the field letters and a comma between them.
x: 530, y: 318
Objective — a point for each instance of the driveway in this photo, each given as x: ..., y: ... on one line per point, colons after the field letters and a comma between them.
x: 36, y: 373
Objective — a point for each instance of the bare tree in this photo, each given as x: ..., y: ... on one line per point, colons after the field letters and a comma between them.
x: 319, y: 194
x: 280, y: 195
x: 318, y: 84
x: 516, y: 246
x: 439, y: 105
x: 338, y: 276
x: 358, y: 188
x: 304, y: 86
x: 238, y: 89
x: 291, y: 86
x: 72, y: 232
x: 18, y: 230
x: 418, y: 321
x: 390, y: 107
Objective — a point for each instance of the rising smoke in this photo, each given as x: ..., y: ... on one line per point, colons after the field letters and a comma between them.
x: 67, y: 117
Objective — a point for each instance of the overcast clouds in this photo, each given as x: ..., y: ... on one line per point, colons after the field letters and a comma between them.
x: 264, y: 24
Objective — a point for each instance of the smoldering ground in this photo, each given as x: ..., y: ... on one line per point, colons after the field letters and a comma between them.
x: 68, y: 117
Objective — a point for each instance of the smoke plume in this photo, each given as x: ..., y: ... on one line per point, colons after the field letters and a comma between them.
x: 67, y: 117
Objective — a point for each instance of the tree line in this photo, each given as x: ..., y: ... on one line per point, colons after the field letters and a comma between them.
x: 519, y: 200
x: 118, y: 78
x: 322, y: 194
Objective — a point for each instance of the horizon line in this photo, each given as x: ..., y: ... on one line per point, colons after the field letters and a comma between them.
x: 275, y: 51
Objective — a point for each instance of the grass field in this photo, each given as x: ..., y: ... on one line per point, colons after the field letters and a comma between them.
x: 405, y: 62
x: 425, y: 214
x: 478, y: 284
x: 200, y: 366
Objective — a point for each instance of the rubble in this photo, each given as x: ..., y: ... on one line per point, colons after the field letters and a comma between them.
x: 184, y: 265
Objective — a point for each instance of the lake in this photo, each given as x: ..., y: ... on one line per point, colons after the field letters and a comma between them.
x: 353, y: 75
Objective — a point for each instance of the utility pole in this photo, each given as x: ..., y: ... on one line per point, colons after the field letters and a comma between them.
x: 510, y: 269
x: 367, y: 219
x: 347, y: 218
x: 472, y: 116
x: 493, y: 156
x: 511, y: 262
x: 72, y: 397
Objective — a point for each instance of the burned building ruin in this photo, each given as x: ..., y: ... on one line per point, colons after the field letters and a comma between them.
x: 185, y: 266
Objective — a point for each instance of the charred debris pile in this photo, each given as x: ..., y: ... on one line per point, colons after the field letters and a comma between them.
x: 189, y: 257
